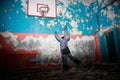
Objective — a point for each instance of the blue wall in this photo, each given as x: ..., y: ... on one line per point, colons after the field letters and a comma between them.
x: 73, y: 13
x: 117, y: 42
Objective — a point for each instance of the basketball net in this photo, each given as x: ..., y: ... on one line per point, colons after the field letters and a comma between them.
x: 44, y: 10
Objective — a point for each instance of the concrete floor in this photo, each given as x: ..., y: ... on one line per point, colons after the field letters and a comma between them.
x: 97, y: 71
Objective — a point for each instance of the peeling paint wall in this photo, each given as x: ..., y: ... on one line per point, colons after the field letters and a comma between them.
x: 78, y: 15
x: 22, y: 34
x: 48, y: 47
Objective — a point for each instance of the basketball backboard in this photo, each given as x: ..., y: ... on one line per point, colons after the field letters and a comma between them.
x: 43, y: 8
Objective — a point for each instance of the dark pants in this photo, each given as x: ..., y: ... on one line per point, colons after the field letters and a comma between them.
x: 65, y: 63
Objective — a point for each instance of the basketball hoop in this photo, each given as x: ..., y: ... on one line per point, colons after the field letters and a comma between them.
x: 44, y: 10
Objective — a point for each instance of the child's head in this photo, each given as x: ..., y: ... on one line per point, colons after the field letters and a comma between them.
x: 62, y: 37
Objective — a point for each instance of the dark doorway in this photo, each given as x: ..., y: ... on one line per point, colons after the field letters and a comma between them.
x: 111, y: 46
